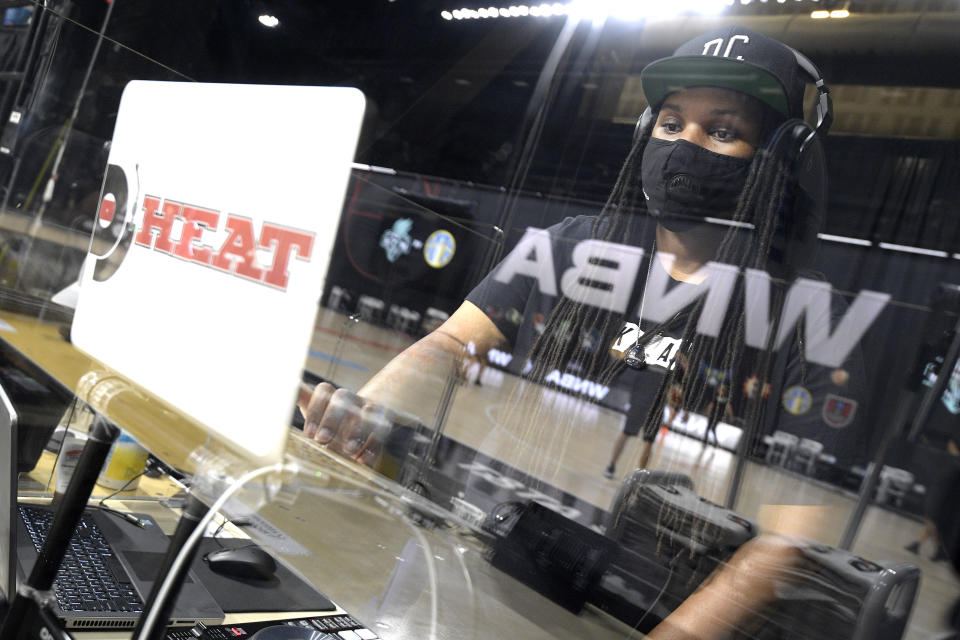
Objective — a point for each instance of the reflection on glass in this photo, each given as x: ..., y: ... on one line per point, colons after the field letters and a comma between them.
x: 689, y: 303
x: 700, y: 360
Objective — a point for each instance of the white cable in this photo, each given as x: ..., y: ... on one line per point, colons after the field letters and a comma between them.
x: 431, y: 576
x: 198, y: 532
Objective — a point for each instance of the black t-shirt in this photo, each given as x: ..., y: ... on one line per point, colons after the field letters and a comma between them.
x: 804, y: 398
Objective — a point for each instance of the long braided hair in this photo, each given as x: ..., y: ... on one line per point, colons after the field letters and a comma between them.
x: 765, y: 203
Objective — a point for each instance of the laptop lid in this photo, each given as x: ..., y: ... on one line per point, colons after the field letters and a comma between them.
x: 217, y: 218
x: 8, y: 497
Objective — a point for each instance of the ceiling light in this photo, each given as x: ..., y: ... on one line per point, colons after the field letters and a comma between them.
x: 631, y: 10
x: 600, y: 10
x: 267, y: 20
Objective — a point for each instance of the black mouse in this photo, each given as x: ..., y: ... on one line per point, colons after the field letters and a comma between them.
x: 252, y: 563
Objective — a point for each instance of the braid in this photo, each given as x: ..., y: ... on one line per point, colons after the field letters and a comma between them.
x: 559, y: 343
x: 762, y: 203
x: 764, y: 195
x: 763, y: 200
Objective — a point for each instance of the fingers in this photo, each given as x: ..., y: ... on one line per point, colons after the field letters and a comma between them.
x: 339, y: 413
x: 375, y: 424
x: 362, y: 433
x: 313, y: 404
x: 345, y: 422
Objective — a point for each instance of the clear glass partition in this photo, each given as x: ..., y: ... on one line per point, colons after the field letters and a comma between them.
x: 633, y: 403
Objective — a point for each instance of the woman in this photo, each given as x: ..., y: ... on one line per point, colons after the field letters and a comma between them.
x: 715, y: 144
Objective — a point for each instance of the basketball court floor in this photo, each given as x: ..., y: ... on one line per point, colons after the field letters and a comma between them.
x: 566, y: 442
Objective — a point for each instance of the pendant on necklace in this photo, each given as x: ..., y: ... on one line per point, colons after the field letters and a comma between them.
x: 635, y: 358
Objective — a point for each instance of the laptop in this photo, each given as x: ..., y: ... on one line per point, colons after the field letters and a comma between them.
x: 109, y: 570
x: 39, y: 405
x: 217, y: 219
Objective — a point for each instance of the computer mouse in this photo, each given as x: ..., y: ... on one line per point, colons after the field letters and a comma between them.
x: 251, y: 563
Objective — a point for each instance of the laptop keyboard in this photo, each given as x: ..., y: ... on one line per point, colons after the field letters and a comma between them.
x: 90, y: 578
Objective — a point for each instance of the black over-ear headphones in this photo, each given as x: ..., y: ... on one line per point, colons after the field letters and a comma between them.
x: 823, y: 106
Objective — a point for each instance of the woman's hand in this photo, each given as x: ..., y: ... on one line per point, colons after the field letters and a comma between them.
x: 736, y: 592
x: 344, y: 422
x: 749, y: 579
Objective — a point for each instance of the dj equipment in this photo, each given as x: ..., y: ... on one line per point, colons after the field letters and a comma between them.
x: 670, y: 539
x: 557, y: 557
x: 844, y: 596
x: 334, y: 627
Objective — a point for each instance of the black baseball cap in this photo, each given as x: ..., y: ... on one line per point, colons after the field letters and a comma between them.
x: 734, y: 58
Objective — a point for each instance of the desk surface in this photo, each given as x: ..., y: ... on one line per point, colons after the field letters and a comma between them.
x: 346, y: 530
x: 363, y: 548
x: 40, y: 482
x: 166, y: 518
x: 136, y: 410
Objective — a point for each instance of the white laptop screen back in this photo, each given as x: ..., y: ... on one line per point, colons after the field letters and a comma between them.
x: 214, y: 233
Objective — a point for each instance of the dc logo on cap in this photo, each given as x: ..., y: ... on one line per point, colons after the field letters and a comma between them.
x: 717, y: 44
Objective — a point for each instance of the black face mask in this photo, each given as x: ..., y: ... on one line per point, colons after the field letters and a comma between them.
x: 684, y: 182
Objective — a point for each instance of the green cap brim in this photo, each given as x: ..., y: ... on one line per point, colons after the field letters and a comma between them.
x: 662, y: 77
